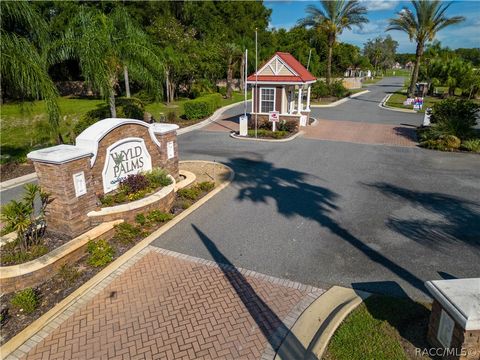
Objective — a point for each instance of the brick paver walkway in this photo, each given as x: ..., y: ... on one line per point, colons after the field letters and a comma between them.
x: 363, y: 133
x: 224, y: 124
x: 165, y: 305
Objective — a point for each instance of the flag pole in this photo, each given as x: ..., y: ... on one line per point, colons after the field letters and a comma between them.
x: 245, y: 85
x: 256, y: 82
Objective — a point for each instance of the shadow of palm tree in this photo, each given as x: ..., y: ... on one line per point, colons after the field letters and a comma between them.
x: 409, y: 133
x: 268, y: 322
x: 457, y: 219
x: 260, y: 181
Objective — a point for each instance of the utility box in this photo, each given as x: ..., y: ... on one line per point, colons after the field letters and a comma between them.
x: 243, y: 125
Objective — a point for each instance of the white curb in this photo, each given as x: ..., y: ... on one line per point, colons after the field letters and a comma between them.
x: 383, y: 105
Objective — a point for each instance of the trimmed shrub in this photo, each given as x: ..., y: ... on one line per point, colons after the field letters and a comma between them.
x: 101, y: 253
x: 290, y: 126
x: 337, y: 89
x: 471, y: 145
x: 159, y: 217
x: 26, y: 300
x: 126, y: 233
x: 202, y: 107
x: 320, y: 90
x: 269, y: 134
x: 131, y: 108
x: 191, y: 193
x: 158, y: 177
x: 140, y: 219
x: 206, y: 186
x: 454, y: 117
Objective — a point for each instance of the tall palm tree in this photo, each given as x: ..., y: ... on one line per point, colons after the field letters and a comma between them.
x: 24, y: 63
x: 422, y: 25
x: 107, y: 46
x: 233, y: 54
x: 332, y: 18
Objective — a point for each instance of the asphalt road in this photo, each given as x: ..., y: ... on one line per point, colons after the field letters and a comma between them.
x: 377, y: 218
x: 365, y: 107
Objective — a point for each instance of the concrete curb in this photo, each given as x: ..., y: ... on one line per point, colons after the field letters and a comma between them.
x: 383, y: 105
x: 317, y: 324
x: 293, y: 137
x: 5, y: 185
x: 341, y: 101
x: 50, y: 316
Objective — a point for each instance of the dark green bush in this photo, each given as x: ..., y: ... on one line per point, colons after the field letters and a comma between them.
x: 158, y: 177
x: 100, y: 253
x: 145, y: 97
x: 201, y: 87
x: 126, y: 233
x: 454, y: 117
x: 443, y: 143
x: 206, y: 186
x: 269, y: 134
x: 130, y: 108
x: 158, y: 216
x: 140, y: 219
x: 337, y: 89
x: 25, y: 299
x: 320, y: 90
x: 202, y: 107
x: 190, y: 193
x: 222, y: 90
x: 171, y: 116
x: 291, y: 126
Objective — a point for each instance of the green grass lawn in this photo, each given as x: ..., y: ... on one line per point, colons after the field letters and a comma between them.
x: 24, y: 126
x: 371, y: 81
x: 381, y: 328
x: 329, y: 100
x: 398, y: 72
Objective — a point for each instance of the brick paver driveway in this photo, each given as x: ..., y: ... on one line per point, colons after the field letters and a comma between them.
x: 172, y: 306
x: 362, y: 133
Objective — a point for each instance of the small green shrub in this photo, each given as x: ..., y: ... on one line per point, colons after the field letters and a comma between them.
x: 190, y: 193
x: 269, y: 134
x: 159, y: 217
x: 455, y: 117
x: 222, y: 90
x: 107, y: 200
x: 25, y: 299
x: 290, y: 126
x: 443, y: 143
x: 68, y: 273
x: 126, y: 233
x: 171, y: 116
x: 158, y: 177
x: 100, y: 253
x: 320, y: 90
x: 141, y: 219
x: 337, y: 89
x: 185, y: 204
x: 202, y: 107
x: 206, y: 186
x: 471, y: 145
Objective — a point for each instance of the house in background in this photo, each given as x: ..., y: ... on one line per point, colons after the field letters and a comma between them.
x: 282, y: 84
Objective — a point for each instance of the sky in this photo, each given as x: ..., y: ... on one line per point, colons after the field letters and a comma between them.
x: 465, y: 35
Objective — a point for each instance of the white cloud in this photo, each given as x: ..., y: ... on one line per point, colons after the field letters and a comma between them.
x: 379, y: 5
x: 373, y: 27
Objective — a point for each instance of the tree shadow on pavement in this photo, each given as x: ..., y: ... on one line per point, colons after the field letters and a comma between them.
x: 409, y: 133
x: 260, y: 181
x: 451, y: 219
x: 268, y: 322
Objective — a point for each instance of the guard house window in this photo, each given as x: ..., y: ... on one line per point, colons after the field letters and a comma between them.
x: 267, y: 100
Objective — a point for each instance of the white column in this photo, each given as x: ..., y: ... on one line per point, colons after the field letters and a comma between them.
x: 299, y: 109
x: 292, y: 100
x: 253, y: 99
x: 308, y: 98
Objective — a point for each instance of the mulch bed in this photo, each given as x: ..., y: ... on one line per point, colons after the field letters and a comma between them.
x: 51, y: 241
x: 55, y: 289
x: 12, y: 170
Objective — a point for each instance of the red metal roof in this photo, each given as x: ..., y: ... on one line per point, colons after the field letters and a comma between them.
x: 303, y: 74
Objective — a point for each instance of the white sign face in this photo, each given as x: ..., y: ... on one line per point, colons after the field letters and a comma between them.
x: 273, y: 116
x: 125, y: 157
x: 445, y: 329
x: 303, y: 120
x: 79, y: 184
x: 170, y: 150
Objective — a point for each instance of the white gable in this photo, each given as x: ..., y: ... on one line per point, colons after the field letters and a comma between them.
x: 276, y: 66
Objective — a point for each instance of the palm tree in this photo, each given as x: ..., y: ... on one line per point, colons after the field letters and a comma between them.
x: 106, y: 47
x: 233, y: 55
x: 422, y: 25
x: 24, y: 64
x: 332, y: 18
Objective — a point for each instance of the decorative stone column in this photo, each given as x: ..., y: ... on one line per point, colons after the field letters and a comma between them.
x: 64, y: 172
x: 455, y: 318
x: 166, y: 134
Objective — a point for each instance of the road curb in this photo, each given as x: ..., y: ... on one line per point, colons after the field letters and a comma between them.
x: 50, y: 316
x: 383, y: 105
x: 319, y: 321
x: 341, y: 101
x: 5, y: 185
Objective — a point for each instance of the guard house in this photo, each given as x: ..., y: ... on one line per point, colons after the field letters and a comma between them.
x: 282, y: 85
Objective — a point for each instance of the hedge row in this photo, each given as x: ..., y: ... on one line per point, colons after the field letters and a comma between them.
x: 202, y: 107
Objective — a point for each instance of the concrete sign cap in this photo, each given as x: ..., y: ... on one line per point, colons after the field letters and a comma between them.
x: 460, y: 298
x: 59, y: 154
